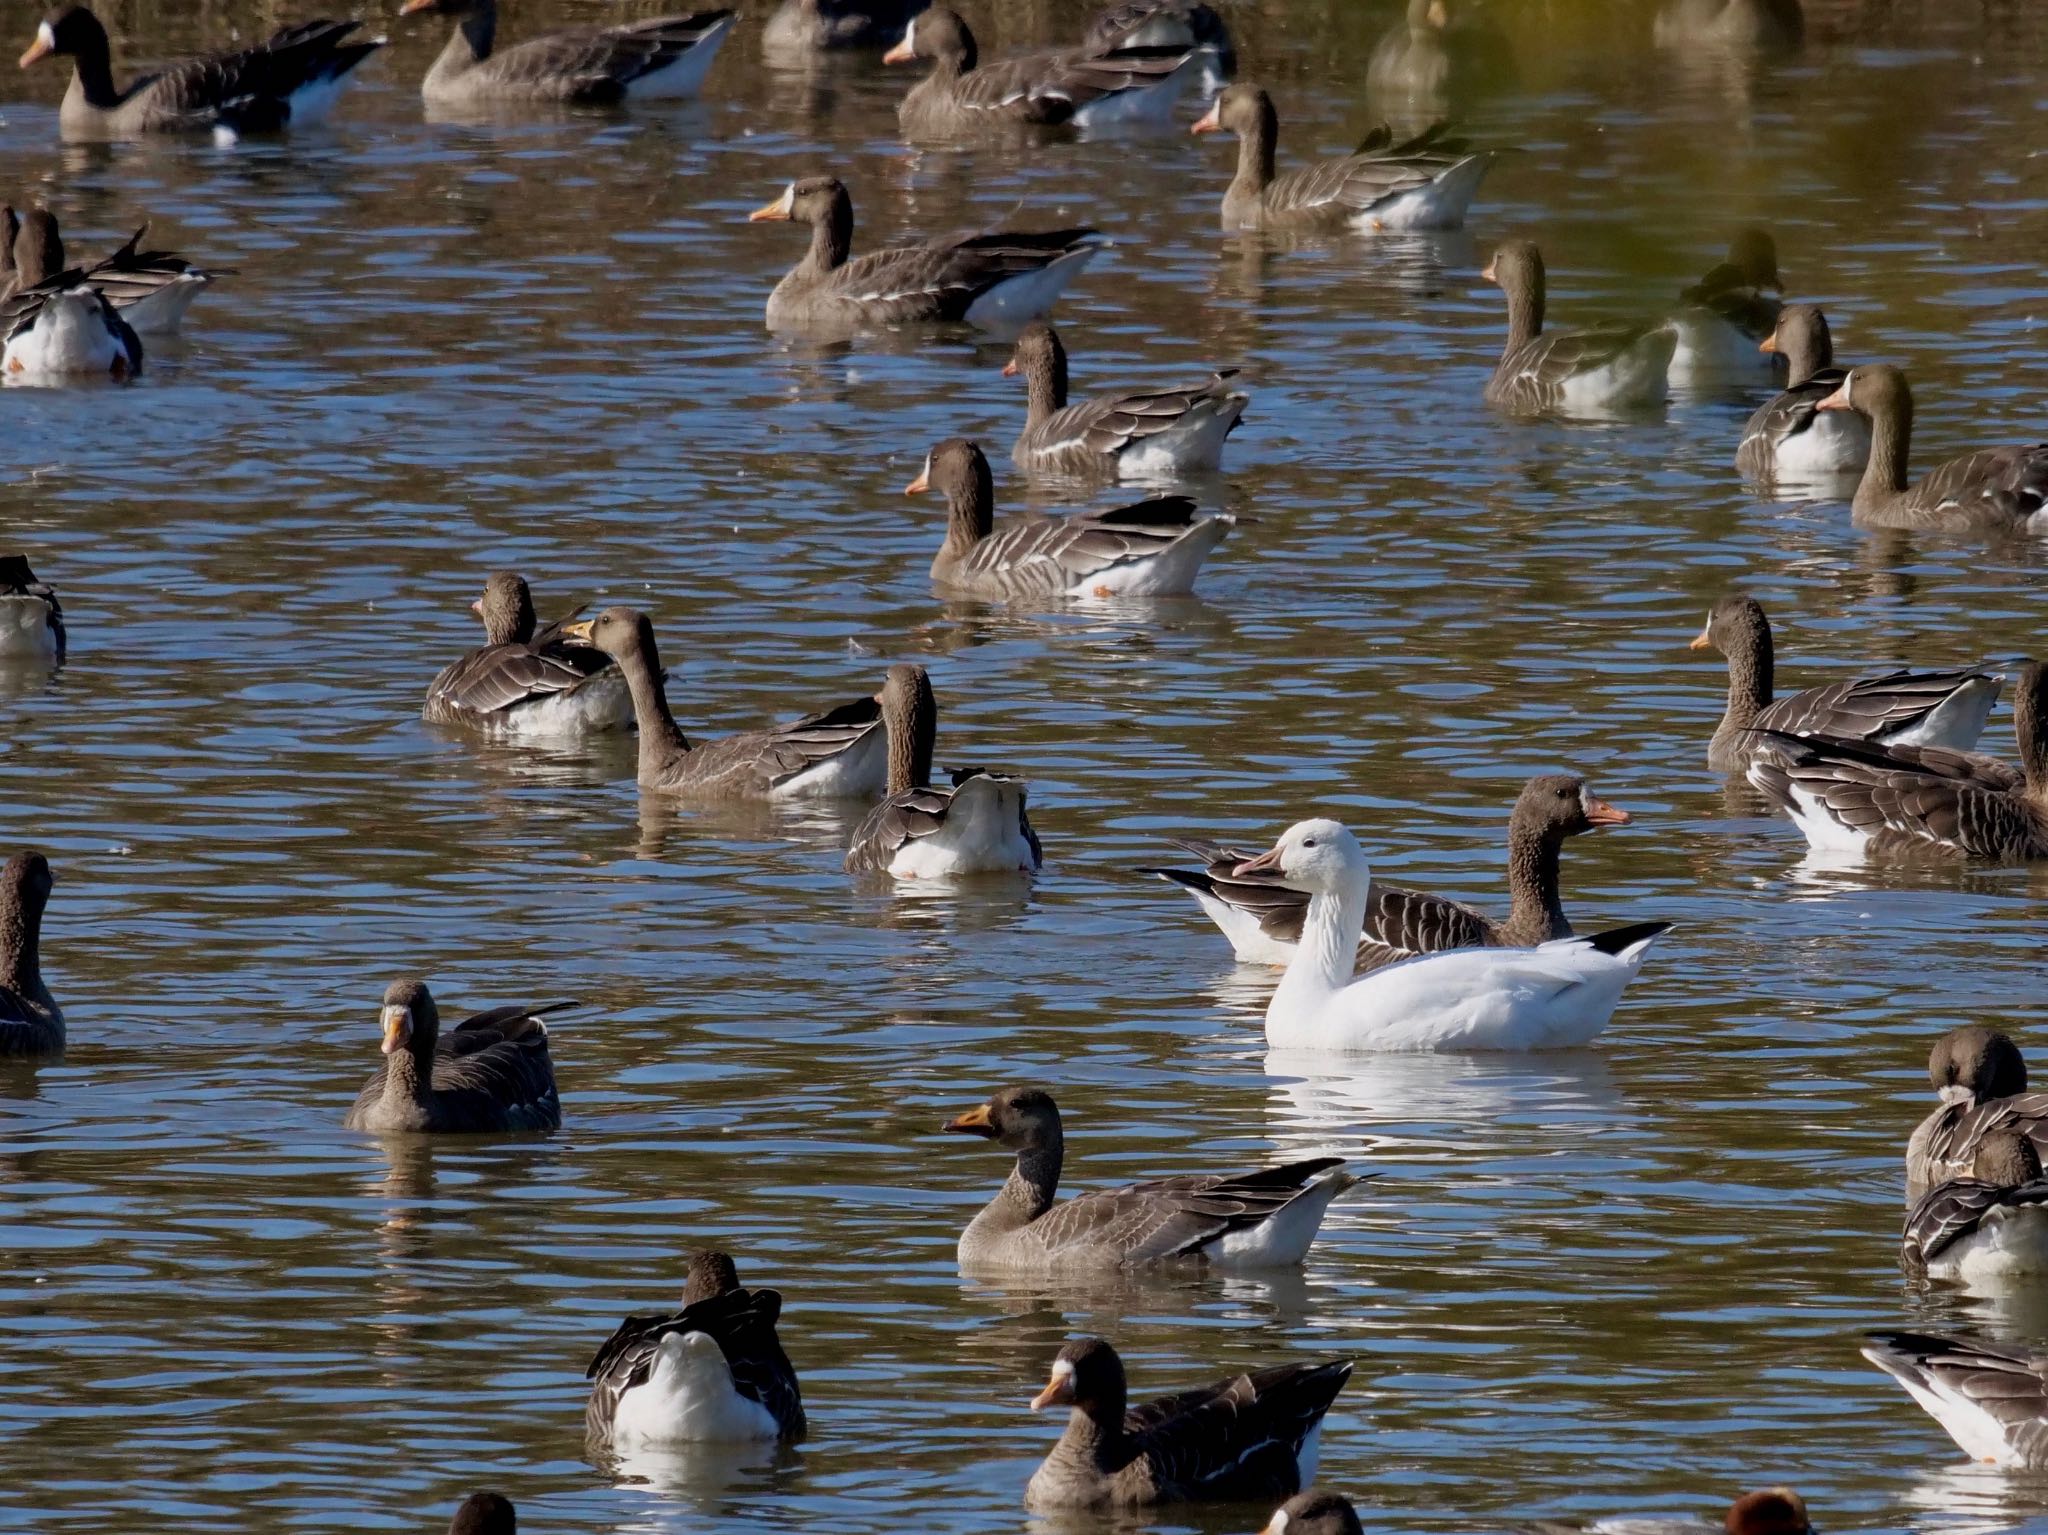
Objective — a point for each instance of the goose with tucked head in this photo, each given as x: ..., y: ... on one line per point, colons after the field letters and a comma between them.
x: 1980, y: 1077
x: 1988, y: 1229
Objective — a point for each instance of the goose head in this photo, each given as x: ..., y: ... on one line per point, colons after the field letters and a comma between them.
x: 937, y: 34
x: 1557, y: 805
x: 1772, y: 1511
x: 709, y: 1275
x: 1017, y: 1118
x: 68, y: 30
x: 1242, y: 109
x: 1975, y: 1065
x: 1314, y: 1512
x: 1876, y: 390
x: 1087, y: 1376
x: 1319, y: 857
x: 619, y: 632
x: 485, y: 1513
x: 506, y: 607
x: 410, y: 1020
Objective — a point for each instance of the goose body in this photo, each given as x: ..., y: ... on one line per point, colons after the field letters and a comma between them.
x: 1593, y: 371
x: 826, y: 26
x: 665, y: 57
x: 1148, y: 435
x: 149, y: 290
x: 1981, y: 1078
x: 1168, y: 24
x: 1790, y: 438
x: 1724, y: 318
x: 31, y: 618
x: 1997, y: 490
x: 1993, y: 1401
x: 66, y: 329
x: 491, y: 1074
x: 524, y: 684
x: 1314, y: 1512
x: 31, y: 1023
x: 1984, y: 1235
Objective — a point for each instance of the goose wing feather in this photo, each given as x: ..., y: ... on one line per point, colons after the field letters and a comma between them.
x: 2008, y: 1385
x: 1359, y: 181
x: 597, y: 63
x: 1791, y: 412
x: 290, y: 58
x: 1110, y: 423
x: 941, y: 279
x: 1953, y: 1210
x: 1052, y: 554
x: 1917, y: 795
x: 1538, y: 369
x: 741, y: 1322
x: 1868, y: 707
x: 781, y: 752
x: 1993, y: 488
x: 1238, y: 1438
x: 1174, y: 1217
x: 1957, y: 1130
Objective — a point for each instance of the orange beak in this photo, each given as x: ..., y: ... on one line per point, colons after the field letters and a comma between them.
x: 921, y: 484
x: 1769, y: 343
x: 1058, y: 1392
x: 1487, y: 274
x: 1703, y: 640
x: 1600, y: 813
x: 902, y: 53
x: 397, y: 1029
x: 1208, y: 122
x: 39, y: 49
x: 1267, y: 862
x: 414, y: 7
x: 973, y: 1122
x: 1010, y: 368
x: 779, y: 209
x: 1839, y: 400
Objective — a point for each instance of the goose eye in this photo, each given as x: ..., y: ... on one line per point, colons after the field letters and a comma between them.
x: 1308, y: 842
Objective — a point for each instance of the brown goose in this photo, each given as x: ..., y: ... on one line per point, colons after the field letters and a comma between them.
x: 977, y: 824
x: 523, y: 683
x: 491, y: 1074
x: 1263, y: 919
x: 1263, y: 1219
x: 1152, y: 549
x: 839, y: 754
x: 1590, y: 371
x: 31, y: 618
x: 1916, y: 801
x: 1250, y: 1436
x: 291, y: 78
x: 30, y: 1020
x: 1426, y: 182
x: 824, y: 26
x: 1725, y: 315
x: 1314, y: 1512
x: 1150, y: 435
x: 1996, y: 490
x: 1790, y: 437
x: 1167, y: 24
x: 586, y: 66
x: 1434, y: 50
x: 1048, y: 87
x: 714, y: 1370
x: 1897, y: 709
x: 1981, y: 1079
x: 990, y: 280
x: 1989, y: 1226
x: 485, y: 1513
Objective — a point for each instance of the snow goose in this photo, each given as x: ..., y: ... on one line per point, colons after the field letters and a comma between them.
x: 1142, y: 435
x: 1263, y: 1219
x: 1168, y: 24
x: 485, y: 1513
x: 975, y: 825
x: 828, y: 26
x: 1314, y: 1512
x: 839, y: 754
x: 664, y: 57
x: 1896, y: 709
x: 991, y: 280
x: 291, y: 78
x: 31, y: 618
x: 1152, y: 549
x: 520, y: 683
x: 1556, y: 995
x: 1250, y: 1436
x: 1426, y: 182
x: 1995, y: 490
x: 1724, y: 317
x: 1262, y: 918
x: 1590, y: 371
x: 1988, y: 1228
x: 713, y: 1371
x: 1790, y: 437
x: 1993, y: 1401
x: 492, y: 1073
x: 30, y: 1021
x: 1981, y: 1078
x: 1916, y: 801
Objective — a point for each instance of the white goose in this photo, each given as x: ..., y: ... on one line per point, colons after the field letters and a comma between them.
x: 1553, y: 996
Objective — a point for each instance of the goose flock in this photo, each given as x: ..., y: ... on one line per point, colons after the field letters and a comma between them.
x: 1883, y: 768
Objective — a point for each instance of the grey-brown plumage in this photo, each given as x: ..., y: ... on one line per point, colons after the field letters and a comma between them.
x: 838, y: 754
x: 2003, y: 1182
x: 31, y: 617
x: 1261, y: 1219
x: 485, y: 1513
x: 30, y: 1021
x: 523, y: 677
x: 1163, y: 24
x: 1314, y: 1512
x: 1902, y: 708
x: 41, y: 278
x: 151, y: 290
x: 1981, y: 1078
x: 1734, y: 290
x: 1592, y: 368
x: 826, y: 26
x: 34, y: 253
x: 1235, y: 1440
x: 1789, y: 433
x: 492, y: 1073
x: 1997, y: 1395
x: 1139, y: 434
x: 584, y: 66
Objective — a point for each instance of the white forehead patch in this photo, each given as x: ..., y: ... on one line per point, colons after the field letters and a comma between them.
x: 1278, y: 1524
x: 45, y: 36
x: 1063, y: 1369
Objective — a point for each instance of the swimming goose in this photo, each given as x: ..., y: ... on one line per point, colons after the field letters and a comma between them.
x: 713, y: 1371
x: 1426, y: 182
x: 1138, y: 436
x: 1790, y: 437
x: 519, y: 683
x: 1152, y: 549
x: 1262, y: 918
x: 1770, y: 1511
x: 1250, y: 1436
x: 1723, y: 318
x: 1896, y: 709
x: 841, y: 753
x: 1314, y: 1512
x: 1995, y: 490
x: 31, y: 618
x: 822, y: 26
x: 492, y: 1073
x: 975, y: 825
x: 1589, y: 371
x: 1986, y: 1228
x: 990, y: 280
x: 1981, y: 1079
x: 1263, y: 1219
x: 1993, y: 1401
x: 30, y: 1021
x: 1046, y: 87
x: 290, y: 78
x: 1764, y: 25
x: 485, y: 1513
x: 1553, y: 996
x: 151, y: 290
x: 64, y: 328
x: 1433, y: 51
x: 1916, y: 801
x: 652, y: 60
x: 1168, y: 24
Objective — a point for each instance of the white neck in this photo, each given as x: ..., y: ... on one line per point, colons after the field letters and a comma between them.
x: 1324, y: 959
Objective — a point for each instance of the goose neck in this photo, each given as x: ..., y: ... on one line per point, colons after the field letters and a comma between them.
x: 1533, y: 904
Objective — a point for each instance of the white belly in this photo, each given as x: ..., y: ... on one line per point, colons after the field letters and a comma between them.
x: 601, y: 705
x: 690, y: 1395
x: 684, y: 77
x: 1838, y: 442
x: 859, y: 772
x: 69, y: 337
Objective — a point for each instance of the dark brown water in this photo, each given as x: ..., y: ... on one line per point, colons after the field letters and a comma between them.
x: 1628, y: 1278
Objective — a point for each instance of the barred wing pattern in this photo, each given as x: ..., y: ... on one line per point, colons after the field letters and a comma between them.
x: 916, y: 813
x: 1533, y: 376
x: 940, y: 280
x: 1992, y: 1400
x: 1039, y: 556
x: 1172, y: 1217
x: 1086, y: 434
x: 1956, y: 1209
x: 740, y: 1321
x: 131, y: 274
x: 1946, y: 1146
x: 1998, y: 489
x: 1871, y: 708
x: 596, y: 64
x: 761, y: 760
x: 1238, y: 1439
x: 254, y: 86
x: 1380, y: 169
x: 1794, y: 411
x: 1049, y: 86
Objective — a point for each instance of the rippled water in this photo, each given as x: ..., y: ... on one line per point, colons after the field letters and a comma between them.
x: 1627, y: 1278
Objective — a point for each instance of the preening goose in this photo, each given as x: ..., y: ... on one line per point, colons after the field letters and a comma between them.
x: 1987, y: 1228
x: 991, y: 280
x: 1153, y: 549
x: 1314, y: 1512
x: 1791, y: 437
x: 31, y: 618
x: 1553, y: 996
x: 485, y: 1513
x: 1263, y: 1219
x: 1916, y: 801
x: 1997, y: 490
x: 1981, y: 1079
x: 1148, y: 435
x: 713, y: 1371
x: 1250, y: 1436
x: 1590, y: 371
x: 521, y: 683
x: 1426, y: 182
x: 491, y: 1074
x: 665, y: 57
x: 150, y: 290
x: 975, y: 825
x: 839, y: 754
x: 1262, y: 918
x: 30, y: 1020
x: 60, y: 326
x: 1896, y: 709
x: 1724, y: 318
x: 291, y: 78
x: 1993, y: 1401
x: 828, y: 26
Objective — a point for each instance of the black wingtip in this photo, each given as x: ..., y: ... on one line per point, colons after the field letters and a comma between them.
x: 1187, y: 879
x: 1615, y: 940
